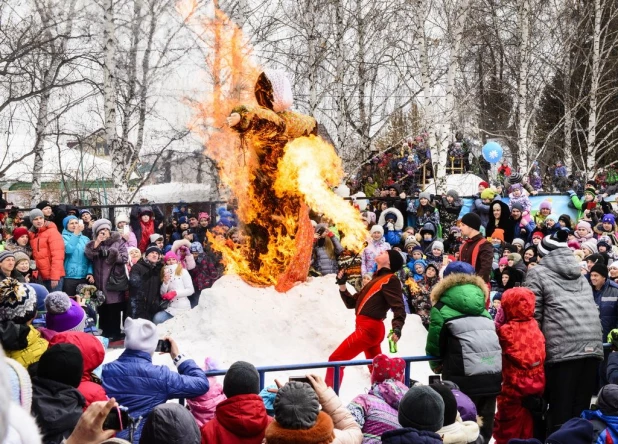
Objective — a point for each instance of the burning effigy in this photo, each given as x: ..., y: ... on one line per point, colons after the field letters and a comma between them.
x: 272, y: 160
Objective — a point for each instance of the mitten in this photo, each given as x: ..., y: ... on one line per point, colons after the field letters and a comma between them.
x: 169, y: 295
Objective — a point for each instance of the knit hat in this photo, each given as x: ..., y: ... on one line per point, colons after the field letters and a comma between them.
x: 170, y: 423
x: 483, y: 184
x: 515, y: 186
x: 434, y: 266
x: 607, y: 401
x: 183, y: 220
x: 170, y: 255
x: 84, y: 211
x: 497, y: 297
x: 151, y: 248
x: 296, y: 406
x: 428, y: 228
x: 519, y: 241
x: 545, y: 205
x: 424, y: 195
x: 455, y: 229
x: 584, y: 224
x: 20, y: 256
x: 19, y: 232
x: 62, y: 363
x: 450, y: 403
x: 438, y: 245
x: 454, y: 194
x: 66, y: 220
x: 122, y: 218
x: 566, y: 219
x: 574, y: 245
x: 503, y: 261
x: 472, y: 220
x: 574, y: 431
x: 609, y: 219
x: 488, y: 194
x: 203, y: 215
x: 154, y: 237
x: 141, y: 335
x: 550, y: 243
x: 600, y: 269
x: 377, y: 229
x: 5, y: 254
x: 421, y: 408
x: 552, y: 217
x: 101, y: 224
x: 64, y: 313
x: 395, y: 260
x: 517, y: 206
x: 595, y: 258
x: 409, y: 241
x: 42, y: 204
x: 590, y: 191
x: 20, y: 383
x: 196, y: 247
x: 515, y: 177
x: 242, y: 378
x: 515, y: 257
x: 538, y: 234
x: 387, y: 368
x: 458, y: 267
x: 34, y: 213
x: 590, y: 245
x: 498, y: 234
x: 613, y: 265
x: 17, y: 301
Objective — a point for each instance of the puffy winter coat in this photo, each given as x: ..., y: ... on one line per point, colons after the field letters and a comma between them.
x: 376, y: 411
x: 76, y: 264
x: 48, y: 251
x: 505, y: 222
x: 523, y: 346
x: 607, y: 302
x: 203, y: 407
x: 605, y: 426
x: 22, y: 343
x: 481, y: 209
x: 240, y: 419
x: 322, y: 262
x: 13, y: 246
x: 144, y: 289
x: 170, y: 423
x: 183, y: 286
x: 369, y: 254
x: 392, y: 236
x: 205, y: 272
x: 141, y: 386
x: 449, y: 213
x: 334, y: 418
x: 612, y: 368
x: 565, y: 308
x: 411, y: 436
x: 57, y: 408
x: 462, y: 333
x: 110, y: 253
x: 93, y: 353
x: 461, y: 432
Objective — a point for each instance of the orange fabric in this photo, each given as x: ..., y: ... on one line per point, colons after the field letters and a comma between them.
x: 48, y: 251
x: 377, y: 286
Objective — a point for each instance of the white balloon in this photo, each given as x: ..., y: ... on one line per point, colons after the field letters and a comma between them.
x: 342, y: 190
x: 362, y: 203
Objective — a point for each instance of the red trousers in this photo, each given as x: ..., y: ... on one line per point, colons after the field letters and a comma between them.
x: 367, y: 338
x: 512, y: 420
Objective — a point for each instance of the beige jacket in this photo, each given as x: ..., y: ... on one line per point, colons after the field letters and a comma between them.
x: 347, y: 430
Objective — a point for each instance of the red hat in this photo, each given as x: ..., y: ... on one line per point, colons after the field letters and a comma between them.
x: 387, y: 368
x: 538, y: 234
x: 484, y: 184
x: 19, y: 232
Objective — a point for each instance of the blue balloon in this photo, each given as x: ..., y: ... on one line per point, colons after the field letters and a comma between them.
x: 492, y: 152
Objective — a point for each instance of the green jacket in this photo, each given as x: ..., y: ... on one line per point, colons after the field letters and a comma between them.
x: 460, y: 295
x: 579, y: 204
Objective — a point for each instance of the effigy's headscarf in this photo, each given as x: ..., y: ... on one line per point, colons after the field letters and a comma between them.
x: 274, y: 91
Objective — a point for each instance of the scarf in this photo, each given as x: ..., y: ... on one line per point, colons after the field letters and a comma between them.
x: 147, y: 231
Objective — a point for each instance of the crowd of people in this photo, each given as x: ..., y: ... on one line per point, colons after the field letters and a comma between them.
x: 517, y: 302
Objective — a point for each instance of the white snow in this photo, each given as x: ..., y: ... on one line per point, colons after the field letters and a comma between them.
x: 465, y: 184
x: 235, y: 321
x: 175, y: 191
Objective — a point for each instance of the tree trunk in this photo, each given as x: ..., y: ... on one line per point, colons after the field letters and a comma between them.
x: 312, y: 61
x: 364, y: 123
x: 568, y: 113
x: 594, y: 89
x: 129, y: 106
x: 339, y: 74
x: 522, y: 90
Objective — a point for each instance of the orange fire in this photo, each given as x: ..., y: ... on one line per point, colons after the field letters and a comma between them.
x: 272, y: 168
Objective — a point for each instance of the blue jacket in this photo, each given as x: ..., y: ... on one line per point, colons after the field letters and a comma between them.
x: 141, y: 386
x: 607, y: 302
x: 410, y: 436
x: 610, y: 423
x: 76, y: 264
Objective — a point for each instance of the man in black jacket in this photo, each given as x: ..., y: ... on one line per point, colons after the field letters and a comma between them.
x: 145, y: 285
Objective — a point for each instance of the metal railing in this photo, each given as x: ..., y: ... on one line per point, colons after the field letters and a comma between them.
x: 334, y: 364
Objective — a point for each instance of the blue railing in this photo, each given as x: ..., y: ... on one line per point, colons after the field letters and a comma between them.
x: 335, y: 364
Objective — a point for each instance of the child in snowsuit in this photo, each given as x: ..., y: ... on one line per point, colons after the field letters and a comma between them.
x: 523, y: 366
x: 517, y: 196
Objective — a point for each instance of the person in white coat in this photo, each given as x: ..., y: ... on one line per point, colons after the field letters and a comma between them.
x: 176, y: 288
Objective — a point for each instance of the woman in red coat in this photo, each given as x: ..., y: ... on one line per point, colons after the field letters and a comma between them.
x: 523, y: 366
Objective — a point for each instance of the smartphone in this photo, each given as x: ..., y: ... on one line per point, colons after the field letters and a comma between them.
x: 321, y: 231
x: 80, y: 222
x: 163, y: 346
x: 117, y: 419
x: 125, y: 229
x: 300, y: 379
x: 435, y: 379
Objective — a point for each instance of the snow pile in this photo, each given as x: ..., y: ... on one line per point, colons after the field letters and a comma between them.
x: 465, y: 184
x: 175, y: 191
x: 235, y: 321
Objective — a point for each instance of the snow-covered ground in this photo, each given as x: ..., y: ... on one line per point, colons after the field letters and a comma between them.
x: 235, y: 321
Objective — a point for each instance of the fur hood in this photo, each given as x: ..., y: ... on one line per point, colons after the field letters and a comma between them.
x: 321, y: 433
x: 455, y: 280
x: 459, y: 432
x: 22, y: 428
x: 180, y: 243
x: 396, y: 212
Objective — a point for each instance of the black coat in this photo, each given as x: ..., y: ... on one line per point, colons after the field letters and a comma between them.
x: 57, y: 408
x: 505, y: 222
x: 144, y: 289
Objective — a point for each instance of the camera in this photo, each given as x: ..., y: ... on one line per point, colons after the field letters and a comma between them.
x: 117, y: 419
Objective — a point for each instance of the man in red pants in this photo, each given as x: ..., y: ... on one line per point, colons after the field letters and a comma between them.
x: 371, y: 304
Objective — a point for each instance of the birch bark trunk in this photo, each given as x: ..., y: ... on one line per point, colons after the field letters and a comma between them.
x: 592, y: 147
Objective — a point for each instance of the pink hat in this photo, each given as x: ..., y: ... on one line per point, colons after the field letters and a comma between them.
x: 573, y: 244
x: 203, y: 215
x: 545, y: 205
x: 503, y: 261
x: 387, y: 368
x: 584, y: 224
x: 170, y: 255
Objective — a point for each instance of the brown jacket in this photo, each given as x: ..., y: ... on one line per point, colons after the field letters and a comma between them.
x: 390, y: 296
x: 484, y: 257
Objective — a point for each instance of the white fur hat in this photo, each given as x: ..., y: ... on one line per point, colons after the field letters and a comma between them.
x: 282, y: 89
x: 141, y: 334
x: 377, y: 229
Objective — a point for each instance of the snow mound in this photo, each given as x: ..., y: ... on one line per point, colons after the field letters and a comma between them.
x: 235, y: 321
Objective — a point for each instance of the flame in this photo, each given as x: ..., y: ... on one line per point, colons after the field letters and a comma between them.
x: 275, y: 183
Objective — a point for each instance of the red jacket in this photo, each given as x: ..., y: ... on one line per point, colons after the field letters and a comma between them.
x: 93, y: 353
x: 523, y: 346
x: 240, y: 419
x: 48, y: 251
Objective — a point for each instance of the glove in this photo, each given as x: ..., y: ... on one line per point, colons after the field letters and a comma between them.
x: 571, y: 193
x: 390, y: 226
x: 612, y: 337
x: 169, y: 295
x: 342, y: 280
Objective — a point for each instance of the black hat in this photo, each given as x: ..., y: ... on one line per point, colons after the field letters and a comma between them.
x: 242, y: 378
x: 153, y: 248
x: 421, y: 408
x: 550, y: 243
x: 42, y: 204
x: 607, y: 401
x: 62, y: 363
x: 170, y: 423
x: 396, y: 260
x: 600, y: 269
x: 296, y: 406
x: 450, y: 403
x: 566, y: 219
x: 472, y: 220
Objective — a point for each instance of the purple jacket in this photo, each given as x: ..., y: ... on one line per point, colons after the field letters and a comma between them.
x: 111, y: 252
